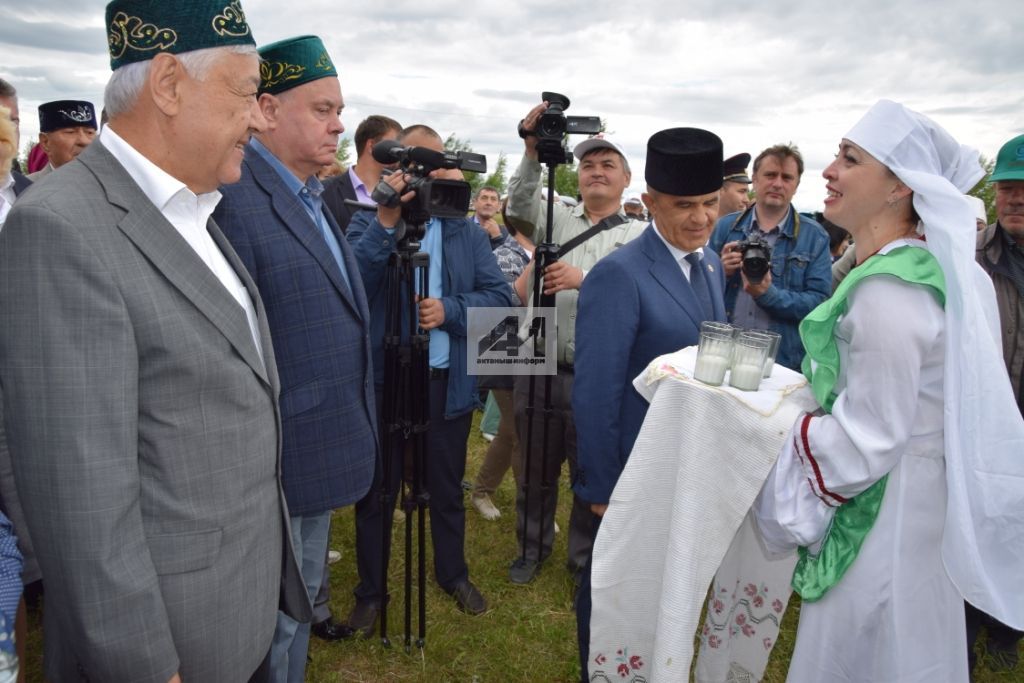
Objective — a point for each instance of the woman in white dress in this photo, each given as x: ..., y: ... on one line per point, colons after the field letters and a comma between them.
x: 906, y: 492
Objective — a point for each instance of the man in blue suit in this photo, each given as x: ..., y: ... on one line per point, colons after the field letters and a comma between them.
x: 316, y: 309
x: 644, y: 300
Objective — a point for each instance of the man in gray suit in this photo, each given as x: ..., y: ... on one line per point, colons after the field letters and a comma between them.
x: 138, y: 374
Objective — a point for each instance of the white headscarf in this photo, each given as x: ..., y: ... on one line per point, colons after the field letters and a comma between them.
x: 983, y: 540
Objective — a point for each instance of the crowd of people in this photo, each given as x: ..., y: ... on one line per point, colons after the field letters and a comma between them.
x: 196, y: 325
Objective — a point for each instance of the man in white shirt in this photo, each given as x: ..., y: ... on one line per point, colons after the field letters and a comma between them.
x: 139, y: 378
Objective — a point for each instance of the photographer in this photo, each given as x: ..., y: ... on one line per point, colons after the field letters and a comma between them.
x: 462, y: 274
x: 799, y: 277
x: 603, y: 176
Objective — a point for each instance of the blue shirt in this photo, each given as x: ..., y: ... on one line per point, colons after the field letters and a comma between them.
x: 309, y: 194
x: 433, y: 245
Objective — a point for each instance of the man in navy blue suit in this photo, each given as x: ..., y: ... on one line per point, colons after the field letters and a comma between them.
x: 316, y: 309
x: 644, y: 300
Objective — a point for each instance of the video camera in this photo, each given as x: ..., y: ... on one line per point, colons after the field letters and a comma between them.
x: 756, y: 258
x: 552, y: 127
x: 434, y: 196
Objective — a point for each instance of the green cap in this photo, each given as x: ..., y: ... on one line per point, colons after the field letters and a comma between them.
x: 138, y: 30
x: 1010, y: 162
x: 292, y: 62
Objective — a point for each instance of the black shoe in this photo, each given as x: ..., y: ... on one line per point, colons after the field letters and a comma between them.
x: 468, y: 598
x: 523, y: 571
x: 330, y: 630
x: 363, y: 618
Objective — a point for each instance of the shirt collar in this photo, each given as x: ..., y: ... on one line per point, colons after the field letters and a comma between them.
x: 781, y: 226
x: 357, y: 182
x: 291, y: 181
x: 7, y: 182
x: 678, y: 254
x: 158, y: 185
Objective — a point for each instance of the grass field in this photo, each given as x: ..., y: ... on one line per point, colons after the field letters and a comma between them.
x: 529, y: 633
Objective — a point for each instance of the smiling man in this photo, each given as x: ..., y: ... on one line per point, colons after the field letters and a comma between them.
x: 138, y: 373
x: 604, y: 175
x: 316, y: 308
x: 66, y: 127
x: 800, y: 276
x: 644, y: 300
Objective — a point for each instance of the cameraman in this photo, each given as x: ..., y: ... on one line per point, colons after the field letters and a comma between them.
x: 603, y: 176
x: 463, y: 273
x: 800, y: 276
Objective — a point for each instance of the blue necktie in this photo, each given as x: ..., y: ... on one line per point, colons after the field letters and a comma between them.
x: 699, y: 284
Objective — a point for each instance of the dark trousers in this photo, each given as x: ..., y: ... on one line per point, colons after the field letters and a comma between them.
x: 543, y: 476
x: 584, y: 605
x: 445, y: 467
x: 1000, y: 636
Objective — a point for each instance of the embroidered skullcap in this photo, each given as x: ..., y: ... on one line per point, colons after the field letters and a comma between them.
x: 138, y: 30
x: 292, y: 62
x: 66, y: 114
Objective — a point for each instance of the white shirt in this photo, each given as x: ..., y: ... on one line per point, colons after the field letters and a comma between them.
x: 6, y: 197
x: 678, y: 254
x: 188, y: 213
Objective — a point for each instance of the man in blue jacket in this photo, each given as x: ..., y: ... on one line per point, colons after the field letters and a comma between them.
x: 800, y: 277
x: 646, y: 299
x: 462, y: 274
x: 316, y: 310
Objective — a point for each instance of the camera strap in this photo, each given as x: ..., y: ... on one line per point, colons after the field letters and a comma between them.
x: 602, y: 225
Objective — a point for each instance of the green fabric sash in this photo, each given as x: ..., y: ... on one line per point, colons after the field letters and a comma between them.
x: 816, y: 574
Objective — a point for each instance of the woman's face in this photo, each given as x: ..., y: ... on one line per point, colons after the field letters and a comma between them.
x: 859, y: 188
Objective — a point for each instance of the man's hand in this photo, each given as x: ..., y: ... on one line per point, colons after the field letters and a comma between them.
x: 530, y: 124
x: 560, y: 275
x: 732, y: 259
x: 492, y: 227
x: 758, y: 289
x: 388, y: 218
x: 598, y: 509
x: 431, y: 313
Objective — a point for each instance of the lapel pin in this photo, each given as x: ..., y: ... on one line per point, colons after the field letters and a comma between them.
x: 711, y: 268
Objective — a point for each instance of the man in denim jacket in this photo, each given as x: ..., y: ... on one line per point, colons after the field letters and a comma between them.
x: 800, y: 277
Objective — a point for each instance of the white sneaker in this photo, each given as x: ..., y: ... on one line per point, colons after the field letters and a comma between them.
x: 487, y: 436
x: 333, y: 556
x: 485, y: 507
x: 556, y: 528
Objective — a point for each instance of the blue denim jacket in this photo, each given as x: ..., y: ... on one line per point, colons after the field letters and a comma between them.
x: 801, y: 275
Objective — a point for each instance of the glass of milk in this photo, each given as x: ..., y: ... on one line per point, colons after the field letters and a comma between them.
x: 714, y: 352
x: 750, y: 351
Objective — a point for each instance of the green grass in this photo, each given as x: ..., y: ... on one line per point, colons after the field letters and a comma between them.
x: 529, y: 633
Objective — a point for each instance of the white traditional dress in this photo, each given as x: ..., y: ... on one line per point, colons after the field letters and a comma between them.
x: 895, y: 616
x: 918, y: 394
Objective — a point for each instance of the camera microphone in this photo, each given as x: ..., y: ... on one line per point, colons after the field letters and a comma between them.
x: 390, y: 151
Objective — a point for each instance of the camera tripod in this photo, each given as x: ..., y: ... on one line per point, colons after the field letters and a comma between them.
x: 550, y: 153
x: 405, y: 417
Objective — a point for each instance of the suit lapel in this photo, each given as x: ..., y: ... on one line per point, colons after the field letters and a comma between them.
x: 170, y: 254
x: 670, y: 276
x: 293, y: 215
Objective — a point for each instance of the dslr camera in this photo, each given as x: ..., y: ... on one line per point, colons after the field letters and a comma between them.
x: 756, y: 258
x: 437, y: 197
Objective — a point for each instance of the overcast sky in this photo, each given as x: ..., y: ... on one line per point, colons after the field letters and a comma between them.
x: 754, y: 73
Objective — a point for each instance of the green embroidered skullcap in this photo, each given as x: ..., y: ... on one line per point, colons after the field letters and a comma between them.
x: 292, y: 62
x: 138, y: 30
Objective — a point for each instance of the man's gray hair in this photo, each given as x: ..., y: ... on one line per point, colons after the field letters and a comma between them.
x: 126, y: 83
